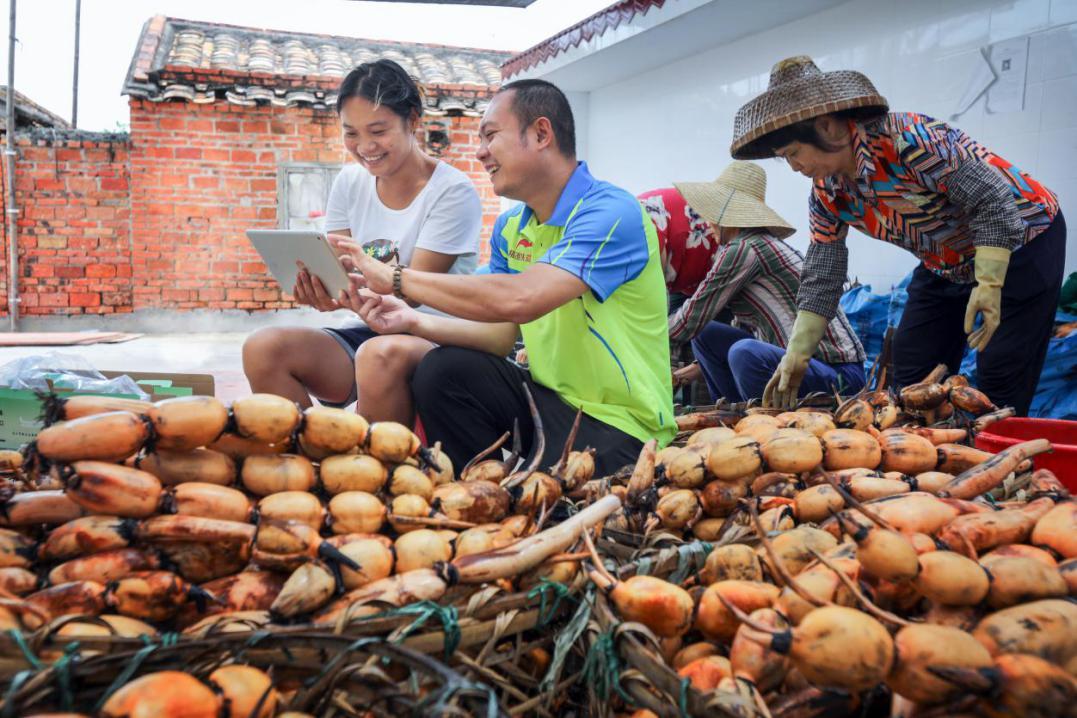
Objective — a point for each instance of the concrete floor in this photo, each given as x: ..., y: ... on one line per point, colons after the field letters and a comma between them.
x: 192, y: 342
x: 218, y: 354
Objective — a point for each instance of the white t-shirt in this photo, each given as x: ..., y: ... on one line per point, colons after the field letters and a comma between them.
x: 445, y: 217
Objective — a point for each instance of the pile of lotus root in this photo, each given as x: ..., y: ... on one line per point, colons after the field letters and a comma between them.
x: 189, y: 515
x: 861, y: 560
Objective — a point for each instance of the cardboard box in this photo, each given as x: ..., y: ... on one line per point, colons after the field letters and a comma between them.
x: 162, y: 385
x: 20, y: 409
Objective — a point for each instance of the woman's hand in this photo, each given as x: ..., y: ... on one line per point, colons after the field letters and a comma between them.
x: 687, y: 374
x: 384, y: 314
x: 989, y: 265
x: 309, y: 290
x: 374, y: 275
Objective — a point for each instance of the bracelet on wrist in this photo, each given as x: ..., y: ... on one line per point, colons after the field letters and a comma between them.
x: 398, y: 278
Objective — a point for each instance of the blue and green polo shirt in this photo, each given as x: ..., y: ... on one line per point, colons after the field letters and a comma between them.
x: 607, y: 351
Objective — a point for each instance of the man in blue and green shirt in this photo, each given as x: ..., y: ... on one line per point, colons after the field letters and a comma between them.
x: 575, y: 269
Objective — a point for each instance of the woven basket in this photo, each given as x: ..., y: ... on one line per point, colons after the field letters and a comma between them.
x: 335, y: 675
x: 485, y: 637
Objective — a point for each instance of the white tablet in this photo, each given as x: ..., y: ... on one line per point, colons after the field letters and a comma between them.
x: 282, y: 248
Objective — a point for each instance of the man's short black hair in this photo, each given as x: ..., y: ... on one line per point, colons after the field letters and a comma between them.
x: 533, y: 99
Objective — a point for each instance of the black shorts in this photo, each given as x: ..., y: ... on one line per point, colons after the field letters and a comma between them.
x: 349, y: 338
x: 467, y: 398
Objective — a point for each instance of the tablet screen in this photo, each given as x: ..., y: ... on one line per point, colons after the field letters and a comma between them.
x: 283, y: 250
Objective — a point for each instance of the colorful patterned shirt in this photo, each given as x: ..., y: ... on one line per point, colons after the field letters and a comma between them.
x: 925, y: 186
x: 756, y: 277
x: 606, y: 351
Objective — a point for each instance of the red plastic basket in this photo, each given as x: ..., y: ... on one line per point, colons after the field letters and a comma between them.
x: 1062, y: 434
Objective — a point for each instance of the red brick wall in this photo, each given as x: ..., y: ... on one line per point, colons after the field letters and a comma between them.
x: 74, y: 225
x: 158, y: 222
x: 201, y: 175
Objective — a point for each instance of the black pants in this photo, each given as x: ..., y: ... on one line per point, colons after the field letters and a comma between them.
x: 932, y: 327
x: 467, y: 399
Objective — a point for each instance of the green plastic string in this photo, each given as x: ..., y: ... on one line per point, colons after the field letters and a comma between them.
x: 448, y: 691
x: 567, y: 638
x: 682, y: 699
x: 128, y: 671
x: 338, y: 658
x: 257, y: 638
x: 602, y: 668
x: 423, y: 611
x: 9, y: 697
x: 63, y: 675
x: 643, y: 566
x: 260, y: 636
x: 17, y: 636
x: 690, y: 558
x: 545, y: 585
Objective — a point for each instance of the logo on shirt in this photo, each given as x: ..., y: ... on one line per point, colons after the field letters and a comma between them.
x: 522, y: 251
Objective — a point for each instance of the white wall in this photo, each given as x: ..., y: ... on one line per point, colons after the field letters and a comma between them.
x: 581, y: 114
x: 675, y: 122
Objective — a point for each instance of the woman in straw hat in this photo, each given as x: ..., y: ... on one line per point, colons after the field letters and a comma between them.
x: 722, y: 249
x: 991, y: 240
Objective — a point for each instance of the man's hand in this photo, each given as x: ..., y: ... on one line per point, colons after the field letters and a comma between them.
x: 374, y: 275
x: 383, y: 314
x: 309, y: 290
x: 687, y: 374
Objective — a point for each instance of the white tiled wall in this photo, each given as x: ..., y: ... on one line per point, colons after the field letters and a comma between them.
x: 675, y: 122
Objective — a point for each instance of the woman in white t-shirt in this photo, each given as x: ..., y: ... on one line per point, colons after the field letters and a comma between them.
x: 427, y: 209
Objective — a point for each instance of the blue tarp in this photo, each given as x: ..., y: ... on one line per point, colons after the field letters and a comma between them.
x: 1056, y: 395
x: 867, y: 314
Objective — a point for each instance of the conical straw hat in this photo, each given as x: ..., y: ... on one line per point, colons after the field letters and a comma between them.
x: 736, y: 199
x: 798, y: 90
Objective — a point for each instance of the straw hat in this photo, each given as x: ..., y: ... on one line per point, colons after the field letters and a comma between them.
x: 799, y: 90
x: 736, y: 199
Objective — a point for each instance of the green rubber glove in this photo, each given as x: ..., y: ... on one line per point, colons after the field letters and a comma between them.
x: 986, y: 299
x: 808, y: 331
